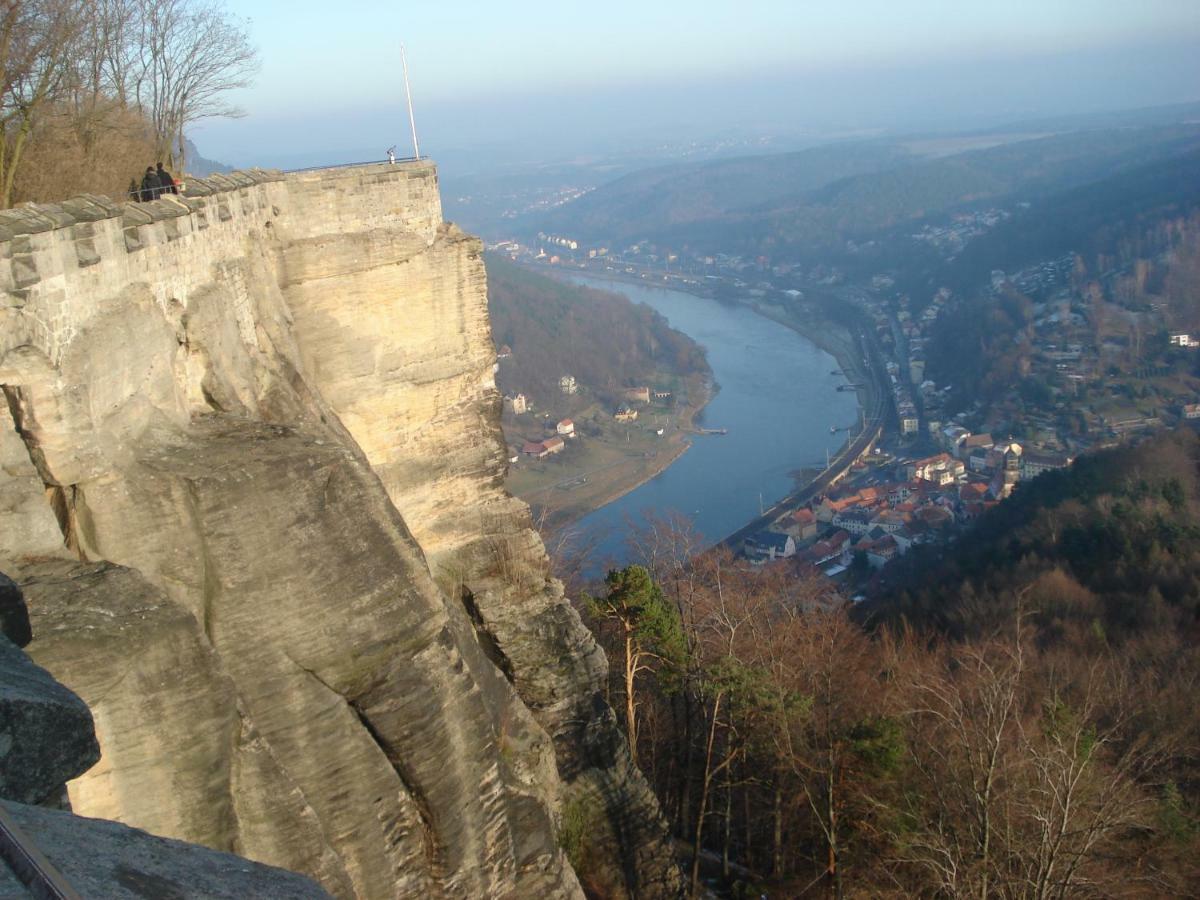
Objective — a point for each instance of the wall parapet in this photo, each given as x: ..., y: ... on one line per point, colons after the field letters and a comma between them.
x: 83, y: 209
x: 59, y: 261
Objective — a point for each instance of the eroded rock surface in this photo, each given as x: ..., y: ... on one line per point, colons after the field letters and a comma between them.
x: 106, y: 859
x: 252, y: 486
x: 45, y: 730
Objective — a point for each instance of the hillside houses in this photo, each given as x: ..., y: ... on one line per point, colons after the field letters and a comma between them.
x: 1035, y: 462
x: 542, y: 449
x: 942, y: 469
x: 880, y: 522
x: 769, y: 545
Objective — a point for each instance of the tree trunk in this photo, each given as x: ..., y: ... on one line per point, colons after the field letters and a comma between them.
x: 685, y: 772
x: 835, y: 874
x: 726, y: 836
x: 748, y: 834
x: 630, y: 707
x: 777, y: 837
x: 698, y: 834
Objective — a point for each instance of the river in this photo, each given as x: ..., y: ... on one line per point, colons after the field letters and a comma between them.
x: 777, y: 397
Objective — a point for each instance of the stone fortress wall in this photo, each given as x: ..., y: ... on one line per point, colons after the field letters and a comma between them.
x: 62, y: 259
x: 253, y: 492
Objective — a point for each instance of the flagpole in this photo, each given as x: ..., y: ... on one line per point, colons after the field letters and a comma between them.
x: 412, y: 122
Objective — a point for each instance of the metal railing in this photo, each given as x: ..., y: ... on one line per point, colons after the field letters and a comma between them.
x: 29, y: 864
x: 350, y: 165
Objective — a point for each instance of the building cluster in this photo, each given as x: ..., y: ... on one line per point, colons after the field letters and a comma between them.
x: 901, y: 337
x: 1039, y: 278
x: 551, y: 444
x: 950, y: 238
x: 927, y: 500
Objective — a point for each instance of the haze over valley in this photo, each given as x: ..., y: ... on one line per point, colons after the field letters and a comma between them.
x: 638, y: 452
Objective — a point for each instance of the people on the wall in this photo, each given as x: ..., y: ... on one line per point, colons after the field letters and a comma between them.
x: 166, y: 183
x: 155, y: 182
x: 151, y: 187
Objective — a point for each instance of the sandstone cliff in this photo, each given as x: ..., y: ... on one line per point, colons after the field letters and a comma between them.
x: 46, y: 738
x: 253, y: 493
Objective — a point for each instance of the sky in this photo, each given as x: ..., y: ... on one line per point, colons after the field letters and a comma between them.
x: 498, y: 77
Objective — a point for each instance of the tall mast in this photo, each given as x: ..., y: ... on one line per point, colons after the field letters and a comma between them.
x: 412, y: 122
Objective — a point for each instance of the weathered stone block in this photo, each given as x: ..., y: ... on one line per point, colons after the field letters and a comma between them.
x: 133, y: 238
x: 46, y: 733
x: 24, y: 271
x: 106, y: 859
x: 14, y: 617
x: 136, y: 215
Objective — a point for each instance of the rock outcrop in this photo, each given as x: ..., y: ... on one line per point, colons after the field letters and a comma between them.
x: 253, y: 490
x: 113, y: 861
x: 45, y: 730
x: 46, y: 738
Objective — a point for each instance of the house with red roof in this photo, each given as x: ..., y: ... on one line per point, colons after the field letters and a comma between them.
x: 803, y: 524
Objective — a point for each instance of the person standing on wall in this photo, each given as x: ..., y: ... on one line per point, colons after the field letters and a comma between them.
x: 392, y: 154
x: 150, y: 185
x: 165, y: 182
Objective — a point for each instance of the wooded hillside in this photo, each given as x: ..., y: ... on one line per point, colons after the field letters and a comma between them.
x: 1013, y: 717
x: 873, y: 188
x: 555, y: 328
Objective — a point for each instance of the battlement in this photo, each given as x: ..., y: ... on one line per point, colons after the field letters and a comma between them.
x: 59, y: 261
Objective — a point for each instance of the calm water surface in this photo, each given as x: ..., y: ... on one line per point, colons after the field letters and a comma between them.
x: 778, y: 399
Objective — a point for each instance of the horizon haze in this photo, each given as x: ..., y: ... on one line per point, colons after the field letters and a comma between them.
x: 494, y: 86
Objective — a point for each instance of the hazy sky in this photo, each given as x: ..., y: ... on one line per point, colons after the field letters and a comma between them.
x: 486, y: 71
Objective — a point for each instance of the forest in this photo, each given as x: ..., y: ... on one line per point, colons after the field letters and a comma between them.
x: 1009, y: 716
x: 555, y: 328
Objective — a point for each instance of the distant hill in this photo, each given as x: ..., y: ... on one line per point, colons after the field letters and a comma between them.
x: 1119, y: 223
x: 1089, y: 219
x: 806, y: 205
x: 554, y: 328
x: 201, y: 167
x: 653, y: 202
x: 1138, y: 117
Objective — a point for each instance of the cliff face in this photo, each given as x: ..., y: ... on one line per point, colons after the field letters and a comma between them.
x: 254, y: 497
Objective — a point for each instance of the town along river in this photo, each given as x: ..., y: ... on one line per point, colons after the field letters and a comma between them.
x: 777, y: 397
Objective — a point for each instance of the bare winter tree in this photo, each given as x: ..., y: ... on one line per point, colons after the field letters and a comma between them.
x: 190, y: 55
x: 37, y: 39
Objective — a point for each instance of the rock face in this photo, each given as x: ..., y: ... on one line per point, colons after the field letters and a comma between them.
x: 252, y: 489
x: 105, y: 859
x: 45, y: 730
x: 46, y: 738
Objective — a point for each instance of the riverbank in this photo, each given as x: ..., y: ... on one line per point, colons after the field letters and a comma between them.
x: 605, y: 472
x: 834, y: 339
x: 738, y: 477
